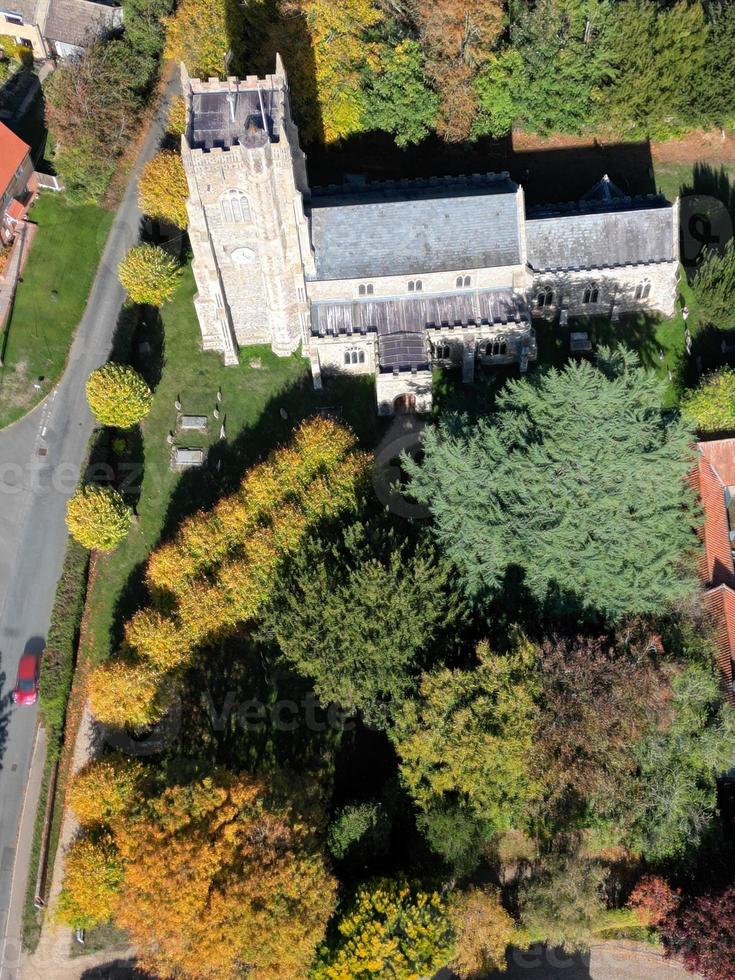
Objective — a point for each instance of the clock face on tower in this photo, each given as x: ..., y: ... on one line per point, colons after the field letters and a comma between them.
x: 242, y: 255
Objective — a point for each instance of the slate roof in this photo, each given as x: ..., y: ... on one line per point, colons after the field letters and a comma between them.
x: 76, y: 21
x: 411, y: 227
x: 600, y: 233
x: 227, y: 117
x: 23, y: 8
x: 415, y: 314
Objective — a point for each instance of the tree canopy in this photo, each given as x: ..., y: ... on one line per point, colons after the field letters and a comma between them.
x: 118, y: 395
x: 565, y: 481
x: 98, y: 517
x: 357, y: 616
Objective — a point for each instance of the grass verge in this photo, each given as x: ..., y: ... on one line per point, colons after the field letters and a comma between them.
x: 50, y: 300
x: 57, y: 670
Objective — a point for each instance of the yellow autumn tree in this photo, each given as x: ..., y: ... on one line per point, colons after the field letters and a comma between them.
x: 104, y: 789
x: 176, y: 119
x: 149, y: 274
x: 222, y: 567
x: 342, y: 50
x: 392, y: 929
x: 218, y: 876
x: 98, y: 517
x: 483, y: 931
x: 163, y: 190
x: 198, y: 34
x: 92, y: 878
x: 124, y: 691
x: 118, y: 395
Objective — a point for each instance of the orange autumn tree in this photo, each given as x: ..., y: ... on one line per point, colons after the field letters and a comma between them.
x: 221, y: 881
x: 221, y: 568
x: 92, y: 877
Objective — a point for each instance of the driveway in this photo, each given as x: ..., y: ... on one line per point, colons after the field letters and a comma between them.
x: 40, y: 461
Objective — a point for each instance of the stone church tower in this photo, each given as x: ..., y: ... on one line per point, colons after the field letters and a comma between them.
x: 249, y: 235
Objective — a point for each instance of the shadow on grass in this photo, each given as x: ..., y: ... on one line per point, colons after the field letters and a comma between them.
x: 352, y: 400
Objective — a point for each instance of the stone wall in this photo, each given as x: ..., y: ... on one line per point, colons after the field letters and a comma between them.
x: 414, y: 384
x: 616, y: 290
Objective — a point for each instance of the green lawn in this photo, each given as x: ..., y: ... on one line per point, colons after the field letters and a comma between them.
x: 50, y: 300
x: 253, y: 398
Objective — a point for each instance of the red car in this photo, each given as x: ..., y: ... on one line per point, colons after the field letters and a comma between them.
x: 26, y: 686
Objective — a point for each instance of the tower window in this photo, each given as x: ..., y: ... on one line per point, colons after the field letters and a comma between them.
x: 545, y: 298
x: 643, y: 289
x: 442, y: 352
x: 591, y: 294
x: 235, y: 206
x: 354, y: 357
x: 365, y: 289
x: 415, y: 285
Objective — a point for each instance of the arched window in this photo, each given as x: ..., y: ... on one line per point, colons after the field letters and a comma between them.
x: 643, y: 289
x: 419, y: 285
x: 361, y: 289
x: 235, y: 206
x: 467, y: 282
x: 503, y: 347
x: 459, y: 282
x: 354, y: 357
x: 365, y: 289
x: 370, y: 289
x: 411, y: 285
x: 442, y: 352
x: 545, y: 298
x: 591, y: 294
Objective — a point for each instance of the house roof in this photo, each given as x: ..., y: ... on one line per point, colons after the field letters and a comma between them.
x: 23, y: 8
x: 410, y: 227
x: 720, y: 603
x: 716, y: 563
x: 598, y: 239
x: 392, y: 314
x: 13, y: 152
x: 76, y: 21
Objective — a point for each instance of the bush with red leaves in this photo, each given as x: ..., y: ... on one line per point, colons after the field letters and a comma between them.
x: 703, y: 935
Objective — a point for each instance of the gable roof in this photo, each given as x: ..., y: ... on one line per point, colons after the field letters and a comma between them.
x: 720, y: 603
x: 716, y: 564
x: 76, y: 21
x: 601, y: 239
x: 410, y: 227
x: 13, y: 152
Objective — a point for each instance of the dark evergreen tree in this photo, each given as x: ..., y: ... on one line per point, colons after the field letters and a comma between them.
x: 579, y: 478
x: 359, y: 616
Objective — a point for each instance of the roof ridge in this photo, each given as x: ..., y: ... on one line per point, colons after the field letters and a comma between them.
x: 361, y: 186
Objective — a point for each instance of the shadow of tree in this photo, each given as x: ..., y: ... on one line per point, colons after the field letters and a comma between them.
x: 707, y: 214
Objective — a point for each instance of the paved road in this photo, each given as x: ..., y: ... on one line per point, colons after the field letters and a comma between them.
x: 40, y: 460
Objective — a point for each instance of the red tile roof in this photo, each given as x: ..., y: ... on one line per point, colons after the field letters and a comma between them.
x: 721, y: 454
x: 720, y: 603
x: 716, y: 564
x: 12, y: 153
x: 15, y: 210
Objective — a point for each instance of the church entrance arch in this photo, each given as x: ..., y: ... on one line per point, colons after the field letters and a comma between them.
x: 405, y: 404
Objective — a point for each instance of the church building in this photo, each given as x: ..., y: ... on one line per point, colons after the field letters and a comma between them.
x: 395, y: 278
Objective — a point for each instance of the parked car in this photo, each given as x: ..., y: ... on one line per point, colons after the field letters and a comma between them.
x: 26, y: 686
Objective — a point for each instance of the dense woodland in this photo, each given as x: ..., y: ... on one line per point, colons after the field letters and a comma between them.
x: 382, y: 745
x: 462, y: 69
